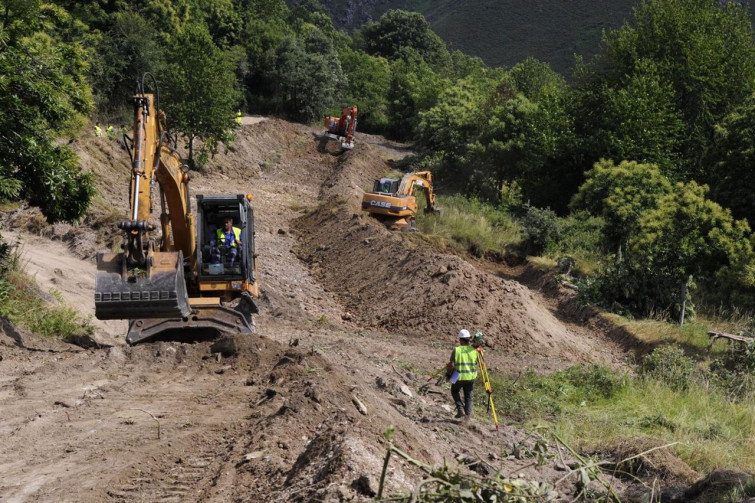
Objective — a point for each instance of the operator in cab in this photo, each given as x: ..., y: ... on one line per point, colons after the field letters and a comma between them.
x: 228, y: 242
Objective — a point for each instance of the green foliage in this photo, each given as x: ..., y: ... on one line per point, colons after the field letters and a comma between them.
x: 307, y: 76
x: 448, y: 127
x: 668, y: 364
x: 43, y: 95
x: 199, y: 89
x: 223, y: 20
x: 734, y: 372
x: 21, y: 303
x: 636, y: 119
x: 702, y: 48
x: 620, y: 194
x: 541, y: 229
x: 732, y: 180
x: 397, y: 30
x: 524, y: 139
x: 581, y: 239
x: 128, y: 48
x: 533, y: 395
x: 414, y: 88
x: 689, y: 235
x: 368, y: 79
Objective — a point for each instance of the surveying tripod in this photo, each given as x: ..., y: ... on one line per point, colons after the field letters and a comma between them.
x: 485, y: 376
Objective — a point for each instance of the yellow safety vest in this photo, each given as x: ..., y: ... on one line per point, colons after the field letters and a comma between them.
x: 238, y: 117
x: 465, y: 362
x: 97, y: 130
x: 236, y: 233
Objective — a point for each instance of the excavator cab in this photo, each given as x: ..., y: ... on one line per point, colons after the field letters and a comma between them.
x: 385, y: 186
x: 215, y: 261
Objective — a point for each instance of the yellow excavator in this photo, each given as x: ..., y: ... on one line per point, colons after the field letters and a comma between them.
x: 394, y: 202
x: 190, y: 282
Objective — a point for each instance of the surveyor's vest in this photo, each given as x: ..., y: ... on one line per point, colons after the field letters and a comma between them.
x: 236, y: 233
x: 465, y: 362
x: 238, y: 117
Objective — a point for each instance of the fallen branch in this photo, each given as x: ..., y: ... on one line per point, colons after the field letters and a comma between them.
x: 153, y: 417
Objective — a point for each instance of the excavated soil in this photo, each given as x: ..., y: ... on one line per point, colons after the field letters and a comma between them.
x: 354, y: 318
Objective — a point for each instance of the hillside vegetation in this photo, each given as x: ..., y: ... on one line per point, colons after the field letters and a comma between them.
x: 503, y: 33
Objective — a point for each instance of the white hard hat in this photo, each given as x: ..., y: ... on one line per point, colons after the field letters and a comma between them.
x: 464, y: 334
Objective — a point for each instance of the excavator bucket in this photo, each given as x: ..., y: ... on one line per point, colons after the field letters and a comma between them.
x: 158, y: 291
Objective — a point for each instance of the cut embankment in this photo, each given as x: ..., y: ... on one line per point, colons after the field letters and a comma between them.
x: 393, y: 283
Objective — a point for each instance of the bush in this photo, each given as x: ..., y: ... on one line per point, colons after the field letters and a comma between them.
x: 541, y: 229
x: 669, y: 365
x: 734, y: 372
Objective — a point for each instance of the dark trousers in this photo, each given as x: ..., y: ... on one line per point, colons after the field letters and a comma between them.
x: 467, y: 386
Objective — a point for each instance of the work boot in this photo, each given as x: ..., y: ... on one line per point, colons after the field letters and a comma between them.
x: 460, y: 413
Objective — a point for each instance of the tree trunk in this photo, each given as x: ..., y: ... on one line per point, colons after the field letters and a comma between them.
x: 191, y: 151
x: 683, y: 301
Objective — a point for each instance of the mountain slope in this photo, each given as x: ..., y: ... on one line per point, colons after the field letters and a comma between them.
x: 503, y: 32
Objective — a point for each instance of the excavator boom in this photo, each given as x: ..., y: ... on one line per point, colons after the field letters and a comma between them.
x: 142, y: 281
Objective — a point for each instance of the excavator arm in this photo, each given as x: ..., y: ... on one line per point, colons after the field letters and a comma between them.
x: 147, y: 279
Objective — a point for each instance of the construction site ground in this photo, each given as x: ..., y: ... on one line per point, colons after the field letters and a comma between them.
x: 353, y: 319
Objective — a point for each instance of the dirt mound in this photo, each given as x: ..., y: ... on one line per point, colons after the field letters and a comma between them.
x: 390, y: 282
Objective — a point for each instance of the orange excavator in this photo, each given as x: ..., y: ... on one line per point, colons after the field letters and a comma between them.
x: 191, y: 281
x: 395, y: 203
x: 342, y: 129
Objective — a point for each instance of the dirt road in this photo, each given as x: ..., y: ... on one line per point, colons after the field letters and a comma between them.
x: 353, y: 319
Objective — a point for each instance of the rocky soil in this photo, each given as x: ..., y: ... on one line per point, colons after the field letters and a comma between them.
x: 354, y: 319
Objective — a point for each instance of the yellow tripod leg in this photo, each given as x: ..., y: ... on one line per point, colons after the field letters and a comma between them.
x: 488, y: 388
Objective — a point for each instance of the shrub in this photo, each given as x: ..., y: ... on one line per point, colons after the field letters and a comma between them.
x: 734, y: 372
x: 541, y: 228
x: 669, y: 365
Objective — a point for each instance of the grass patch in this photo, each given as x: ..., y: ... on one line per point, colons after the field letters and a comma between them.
x: 21, y: 303
x: 471, y: 225
x: 592, y: 407
x: 692, y: 336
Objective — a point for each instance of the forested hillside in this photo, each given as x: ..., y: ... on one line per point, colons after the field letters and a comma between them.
x: 502, y: 33
x: 649, y: 150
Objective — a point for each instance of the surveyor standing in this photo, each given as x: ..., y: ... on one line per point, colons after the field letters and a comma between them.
x: 464, y: 361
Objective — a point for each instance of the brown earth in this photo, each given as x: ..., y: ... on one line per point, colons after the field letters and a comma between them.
x: 354, y: 318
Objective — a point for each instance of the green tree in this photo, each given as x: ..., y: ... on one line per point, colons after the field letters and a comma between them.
x: 702, y: 48
x: 687, y: 236
x: 223, y: 21
x: 44, y: 95
x: 448, y: 127
x: 368, y: 79
x: 638, y: 120
x: 733, y: 156
x: 621, y: 194
x: 200, y: 92
x: 524, y: 139
x: 397, y: 30
x: 306, y: 75
x: 415, y: 87
x: 129, y: 47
